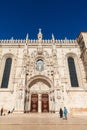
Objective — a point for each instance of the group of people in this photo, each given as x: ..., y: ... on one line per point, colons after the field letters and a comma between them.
x: 8, y: 112
x: 63, y: 113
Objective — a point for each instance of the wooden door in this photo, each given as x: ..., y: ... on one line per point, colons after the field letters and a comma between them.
x: 45, y: 103
x: 34, y: 103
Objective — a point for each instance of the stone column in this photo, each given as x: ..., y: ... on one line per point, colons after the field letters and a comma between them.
x: 29, y: 102
x: 50, y: 103
x: 53, y: 102
x: 39, y: 103
x: 20, y: 101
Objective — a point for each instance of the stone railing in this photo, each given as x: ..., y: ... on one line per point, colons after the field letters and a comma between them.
x: 65, y: 41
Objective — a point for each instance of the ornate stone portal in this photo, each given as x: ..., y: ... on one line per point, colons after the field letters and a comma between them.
x: 41, y: 97
x: 41, y: 68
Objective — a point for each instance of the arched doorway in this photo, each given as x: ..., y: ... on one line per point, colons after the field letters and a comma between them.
x: 39, y: 89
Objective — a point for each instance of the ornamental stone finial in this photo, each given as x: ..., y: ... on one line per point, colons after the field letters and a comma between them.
x: 53, y: 37
x: 40, y: 35
x: 27, y: 36
x: 39, y: 30
x: 65, y: 38
x: 12, y: 38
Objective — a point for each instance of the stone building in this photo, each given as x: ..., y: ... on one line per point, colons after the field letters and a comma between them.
x: 44, y: 75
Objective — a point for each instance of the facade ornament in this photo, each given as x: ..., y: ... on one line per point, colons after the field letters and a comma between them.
x: 53, y: 45
x: 26, y: 102
x: 27, y: 37
x: 66, y: 38
x: 39, y: 48
x: 40, y: 35
x: 53, y: 39
x: 26, y: 64
x: 12, y: 38
x: 83, y: 47
x: 26, y: 45
x: 54, y: 51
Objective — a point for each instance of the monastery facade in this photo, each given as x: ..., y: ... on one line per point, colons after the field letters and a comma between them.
x: 42, y: 76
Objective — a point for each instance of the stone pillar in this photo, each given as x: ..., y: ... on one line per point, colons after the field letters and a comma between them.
x: 53, y: 102
x: 85, y: 64
x: 29, y: 102
x: 50, y: 103
x: 19, y: 101
x: 39, y: 103
x: 57, y: 102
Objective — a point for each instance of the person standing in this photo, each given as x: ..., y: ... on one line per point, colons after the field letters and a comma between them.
x: 65, y: 113
x: 1, y: 111
x: 61, y: 113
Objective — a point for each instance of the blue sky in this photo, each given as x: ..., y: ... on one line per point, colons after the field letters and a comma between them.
x: 63, y: 18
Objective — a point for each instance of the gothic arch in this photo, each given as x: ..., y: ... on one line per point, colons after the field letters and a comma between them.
x: 73, y: 55
x: 77, y: 66
x: 8, y: 55
x: 39, y: 57
x: 41, y: 78
x: 33, y: 94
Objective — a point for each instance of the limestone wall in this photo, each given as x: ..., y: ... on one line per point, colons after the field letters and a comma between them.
x: 25, y: 55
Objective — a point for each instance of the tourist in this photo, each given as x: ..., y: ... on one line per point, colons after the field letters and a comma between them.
x: 61, y: 113
x: 12, y: 110
x: 65, y: 112
x: 1, y: 111
x: 9, y: 112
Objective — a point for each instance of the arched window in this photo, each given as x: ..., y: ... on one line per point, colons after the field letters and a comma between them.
x: 6, y: 73
x: 39, y: 65
x: 72, y: 71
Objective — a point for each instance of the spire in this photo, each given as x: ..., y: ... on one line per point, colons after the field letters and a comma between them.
x: 40, y: 35
x: 53, y: 38
x: 27, y: 36
x: 53, y: 45
x: 39, y: 30
x: 12, y: 38
x: 26, y: 45
x: 39, y: 48
x: 65, y: 38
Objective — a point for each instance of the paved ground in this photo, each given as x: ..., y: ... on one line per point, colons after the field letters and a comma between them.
x: 42, y: 122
